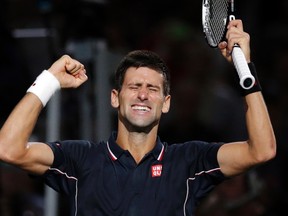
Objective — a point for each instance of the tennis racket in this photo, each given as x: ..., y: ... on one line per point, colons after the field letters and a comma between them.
x: 215, y: 16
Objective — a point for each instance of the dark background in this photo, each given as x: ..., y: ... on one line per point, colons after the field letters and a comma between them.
x: 205, y: 100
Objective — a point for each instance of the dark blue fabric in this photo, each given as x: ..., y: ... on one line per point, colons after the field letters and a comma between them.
x: 97, y: 185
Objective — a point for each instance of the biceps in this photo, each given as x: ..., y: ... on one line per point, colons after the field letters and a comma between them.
x: 234, y: 158
x: 38, y: 159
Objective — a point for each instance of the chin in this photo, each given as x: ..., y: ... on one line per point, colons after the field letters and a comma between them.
x: 143, y: 128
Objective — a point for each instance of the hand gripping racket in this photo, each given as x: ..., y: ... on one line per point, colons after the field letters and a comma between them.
x: 215, y: 14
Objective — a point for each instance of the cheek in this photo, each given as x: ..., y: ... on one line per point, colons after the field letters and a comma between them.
x: 159, y: 103
x: 123, y: 102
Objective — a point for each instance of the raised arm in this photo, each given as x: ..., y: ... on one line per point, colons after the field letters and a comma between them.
x: 15, y: 133
x: 237, y: 157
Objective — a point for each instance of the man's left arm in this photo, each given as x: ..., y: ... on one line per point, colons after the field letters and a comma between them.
x: 237, y: 157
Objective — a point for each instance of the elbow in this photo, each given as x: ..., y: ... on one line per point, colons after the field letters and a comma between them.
x: 268, y: 156
x: 268, y: 153
x: 10, y: 155
x: 274, y: 152
x: 6, y: 156
x: 272, y: 149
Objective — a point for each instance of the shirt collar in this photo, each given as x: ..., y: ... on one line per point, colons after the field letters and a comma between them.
x: 115, y: 150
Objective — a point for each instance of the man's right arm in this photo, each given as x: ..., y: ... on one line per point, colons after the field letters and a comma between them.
x: 15, y: 149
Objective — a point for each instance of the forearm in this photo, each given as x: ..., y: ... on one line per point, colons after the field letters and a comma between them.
x: 262, y: 143
x: 16, y: 131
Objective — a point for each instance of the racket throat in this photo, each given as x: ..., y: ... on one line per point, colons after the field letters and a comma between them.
x: 231, y: 17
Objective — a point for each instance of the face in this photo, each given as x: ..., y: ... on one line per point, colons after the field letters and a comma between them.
x: 141, y: 100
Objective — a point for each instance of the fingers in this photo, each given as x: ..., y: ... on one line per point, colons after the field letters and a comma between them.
x: 235, y: 23
x: 77, y: 70
x: 74, y: 67
x: 81, y: 76
x: 223, y: 48
x: 236, y: 35
x: 70, y: 72
x: 67, y: 64
x: 224, y: 51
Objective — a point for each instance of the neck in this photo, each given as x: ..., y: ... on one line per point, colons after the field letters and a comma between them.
x: 137, y: 143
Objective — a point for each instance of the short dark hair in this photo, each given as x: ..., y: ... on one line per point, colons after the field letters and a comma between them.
x: 142, y: 58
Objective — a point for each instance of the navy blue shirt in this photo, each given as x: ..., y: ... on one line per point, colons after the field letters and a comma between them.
x: 102, y: 179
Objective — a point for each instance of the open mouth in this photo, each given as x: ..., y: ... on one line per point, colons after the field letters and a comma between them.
x: 141, y: 108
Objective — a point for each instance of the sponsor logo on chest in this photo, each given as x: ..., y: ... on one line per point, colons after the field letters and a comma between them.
x: 156, y: 170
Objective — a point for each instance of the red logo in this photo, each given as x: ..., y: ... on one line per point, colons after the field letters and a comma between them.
x: 156, y: 170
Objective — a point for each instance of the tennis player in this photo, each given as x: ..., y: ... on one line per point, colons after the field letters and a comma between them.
x: 134, y: 172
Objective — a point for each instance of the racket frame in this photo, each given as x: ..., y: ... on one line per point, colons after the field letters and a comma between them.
x: 246, y: 79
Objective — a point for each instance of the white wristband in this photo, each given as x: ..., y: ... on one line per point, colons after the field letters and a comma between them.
x: 45, y: 85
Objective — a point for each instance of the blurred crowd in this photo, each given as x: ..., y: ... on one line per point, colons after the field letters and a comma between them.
x: 205, y: 98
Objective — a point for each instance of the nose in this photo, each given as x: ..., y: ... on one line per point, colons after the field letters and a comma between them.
x: 143, y: 94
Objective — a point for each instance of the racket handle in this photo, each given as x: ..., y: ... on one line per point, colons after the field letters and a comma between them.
x: 247, y: 80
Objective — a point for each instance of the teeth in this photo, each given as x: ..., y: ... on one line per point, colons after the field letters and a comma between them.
x: 140, y: 108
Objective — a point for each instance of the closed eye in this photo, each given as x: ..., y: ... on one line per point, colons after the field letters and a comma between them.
x: 134, y: 87
x: 153, y: 89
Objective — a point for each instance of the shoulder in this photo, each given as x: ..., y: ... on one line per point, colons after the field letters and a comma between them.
x: 73, y: 144
x: 76, y: 150
x: 195, y: 145
x: 193, y: 150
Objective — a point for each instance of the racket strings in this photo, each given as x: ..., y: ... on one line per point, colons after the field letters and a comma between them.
x: 218, y: 14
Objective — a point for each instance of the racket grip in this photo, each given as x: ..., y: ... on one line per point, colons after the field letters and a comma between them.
x: 247, y: 80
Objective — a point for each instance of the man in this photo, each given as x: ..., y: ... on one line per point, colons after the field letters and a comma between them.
x: 134, y: 172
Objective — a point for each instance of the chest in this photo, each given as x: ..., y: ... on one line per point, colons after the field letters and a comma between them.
x: 123, y: 176
x: 122, y: 184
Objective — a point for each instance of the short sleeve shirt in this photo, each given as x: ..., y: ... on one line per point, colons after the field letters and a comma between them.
x: 101, y: 179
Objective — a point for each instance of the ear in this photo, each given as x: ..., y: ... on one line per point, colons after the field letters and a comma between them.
x: 166, y: 105
x: 114, y: 98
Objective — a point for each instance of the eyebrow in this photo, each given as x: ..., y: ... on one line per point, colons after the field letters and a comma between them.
x: 140, y: 84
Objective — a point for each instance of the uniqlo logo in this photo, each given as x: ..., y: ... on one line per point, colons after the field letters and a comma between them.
x: 156, y: 170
